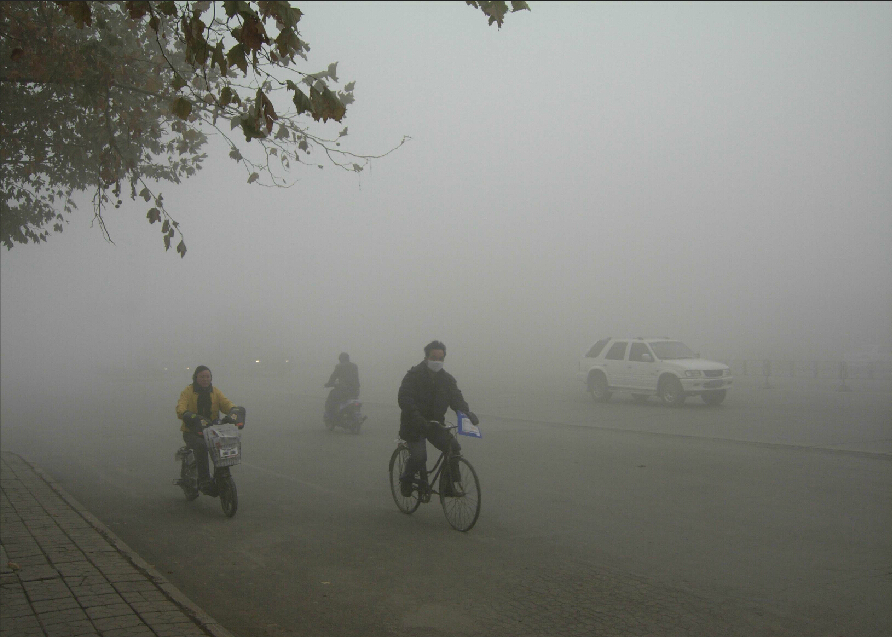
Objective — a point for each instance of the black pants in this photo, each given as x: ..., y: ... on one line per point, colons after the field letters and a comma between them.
x: 440, y: 438
x: 200, y: 449
x: 339, y: 394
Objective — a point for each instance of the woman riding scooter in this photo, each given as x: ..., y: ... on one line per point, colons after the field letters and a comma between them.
x: 199, y: 402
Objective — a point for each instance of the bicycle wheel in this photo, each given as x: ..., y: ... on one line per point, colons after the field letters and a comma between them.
x: 462, y: 510
x: 228, y: 496
x: 406, y: 504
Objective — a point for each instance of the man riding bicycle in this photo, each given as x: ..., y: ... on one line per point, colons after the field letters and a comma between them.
x: 425, y: 394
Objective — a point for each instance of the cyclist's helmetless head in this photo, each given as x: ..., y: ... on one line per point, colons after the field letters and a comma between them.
x: 202, y: 376
x: 435, y: 351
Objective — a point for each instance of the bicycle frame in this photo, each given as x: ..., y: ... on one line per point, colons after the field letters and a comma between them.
x: 431, y: 476
x: 461, y: 503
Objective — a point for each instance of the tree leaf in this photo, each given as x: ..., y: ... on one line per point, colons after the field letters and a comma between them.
x: 250, y: 130
x: 181, y: 107
x: 137, y: 10
x: 497, y: 10
x: 218, y: 58
x: 168, y: 8
x: 181, y: 248
x: 237, y: 57
x: 253, y: 34
x: 265, y: 110
x: 287, y: 43
x: 302, y: 102
x: 81, y: 13
x: 326, y: 104
x: 254, y: 177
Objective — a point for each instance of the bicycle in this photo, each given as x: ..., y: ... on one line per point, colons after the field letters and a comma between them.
x: 461, y: 510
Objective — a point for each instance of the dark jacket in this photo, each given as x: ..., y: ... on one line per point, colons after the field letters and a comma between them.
x: 426, y: 396
x: 348, y: 376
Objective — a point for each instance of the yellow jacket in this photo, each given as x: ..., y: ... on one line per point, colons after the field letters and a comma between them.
x: 189, y: 402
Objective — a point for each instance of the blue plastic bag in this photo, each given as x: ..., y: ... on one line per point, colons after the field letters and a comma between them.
x: 466, y: 427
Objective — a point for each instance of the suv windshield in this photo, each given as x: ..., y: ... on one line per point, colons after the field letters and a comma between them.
x: 669, y: 350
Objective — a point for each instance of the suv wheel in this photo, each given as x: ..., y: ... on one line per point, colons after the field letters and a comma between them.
x: 671, y: 392
x: 597, y: 387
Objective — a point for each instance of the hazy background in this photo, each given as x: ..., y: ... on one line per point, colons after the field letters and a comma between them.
x: 718, y: 173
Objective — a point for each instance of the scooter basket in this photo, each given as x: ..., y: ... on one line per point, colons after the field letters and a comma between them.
x: 224, y: 444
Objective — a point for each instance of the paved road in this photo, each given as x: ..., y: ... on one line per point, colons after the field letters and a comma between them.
x: 767, y: 516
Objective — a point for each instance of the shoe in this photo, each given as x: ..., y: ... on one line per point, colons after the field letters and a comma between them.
x: 208, y: 487
x: 406, y: 488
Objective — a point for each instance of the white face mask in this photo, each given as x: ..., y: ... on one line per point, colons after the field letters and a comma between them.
x: 435, y: 366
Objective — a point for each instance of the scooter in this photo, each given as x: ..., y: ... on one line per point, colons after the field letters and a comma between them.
x: 224, y: 442
x: 348, y: 415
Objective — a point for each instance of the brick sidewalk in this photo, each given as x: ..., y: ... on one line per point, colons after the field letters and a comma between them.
x: 64, y: 574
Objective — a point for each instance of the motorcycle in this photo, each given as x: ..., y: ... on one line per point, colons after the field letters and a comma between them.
x: 224, y: 442
x: 347, y: 414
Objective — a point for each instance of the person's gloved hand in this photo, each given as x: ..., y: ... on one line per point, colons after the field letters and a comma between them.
x: 473, y: 418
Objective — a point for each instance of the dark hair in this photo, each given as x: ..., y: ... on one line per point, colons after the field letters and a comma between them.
x: 432, y: 346
x: 344, y: 357
x: 198, y: 370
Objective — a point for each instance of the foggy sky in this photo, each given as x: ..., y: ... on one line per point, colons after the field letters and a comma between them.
x: 718, y: 173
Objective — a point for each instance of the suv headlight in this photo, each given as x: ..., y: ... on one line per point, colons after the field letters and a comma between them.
x: 727, y: 372
x: 693, y: 373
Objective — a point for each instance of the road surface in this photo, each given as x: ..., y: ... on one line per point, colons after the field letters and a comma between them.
x: 768, y: 515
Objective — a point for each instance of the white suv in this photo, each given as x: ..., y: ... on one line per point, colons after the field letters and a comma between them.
x: 652, y: 367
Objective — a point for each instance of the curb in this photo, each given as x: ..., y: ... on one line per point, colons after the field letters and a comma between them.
x: 205, y: 621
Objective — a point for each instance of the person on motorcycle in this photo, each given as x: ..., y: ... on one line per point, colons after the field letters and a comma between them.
x: 199, y: 404
x: 344, y: 381
x: 425, y: 394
